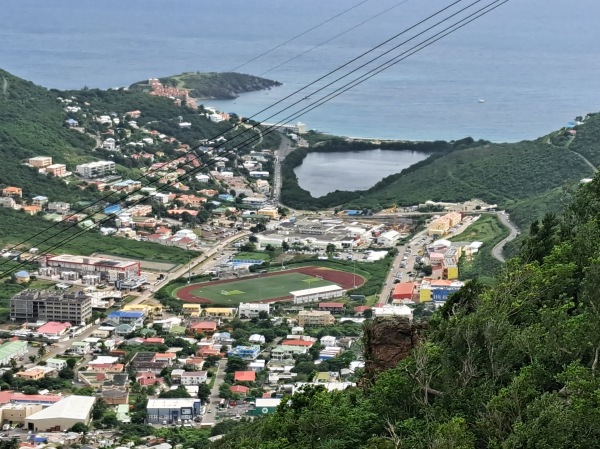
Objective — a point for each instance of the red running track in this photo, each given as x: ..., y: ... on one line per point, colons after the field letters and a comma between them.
x: 342, y: 278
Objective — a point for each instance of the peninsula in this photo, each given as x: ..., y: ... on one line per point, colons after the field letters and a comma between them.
x: 211, y: 85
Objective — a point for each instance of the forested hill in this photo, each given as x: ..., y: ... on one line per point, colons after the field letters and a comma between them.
x: 220, y: 86
x: 513, y: 365
x: 528, y: 178
x: 32, y: 123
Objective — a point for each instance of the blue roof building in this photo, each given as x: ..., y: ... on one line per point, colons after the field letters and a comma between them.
x: 245, y: 352
x: 112, y: 209
x: 226, y: 197
x: 135, y: 319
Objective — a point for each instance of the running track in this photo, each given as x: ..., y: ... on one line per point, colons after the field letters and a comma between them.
x: 342, y: 278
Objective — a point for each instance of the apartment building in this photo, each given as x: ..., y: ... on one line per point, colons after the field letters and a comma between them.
x: 96, y: 169
x: 40, y: 161
x: 35, y: 305
x: 58, y: 170
x: 315, y: 318
x: 108, y: 269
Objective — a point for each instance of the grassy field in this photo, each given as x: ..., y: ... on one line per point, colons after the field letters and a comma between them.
x: 249, y: 290
x: 252, y: 256
x: 489, y: 230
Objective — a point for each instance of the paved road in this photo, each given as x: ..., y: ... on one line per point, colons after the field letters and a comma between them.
x: 514, y: 232
x: 386, y: 293
x: 285, y: 148
x: 209, y: 417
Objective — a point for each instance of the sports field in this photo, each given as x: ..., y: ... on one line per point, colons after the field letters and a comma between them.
x: 265, y: 287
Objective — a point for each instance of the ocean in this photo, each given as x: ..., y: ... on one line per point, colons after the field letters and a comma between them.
x: 535, y: 62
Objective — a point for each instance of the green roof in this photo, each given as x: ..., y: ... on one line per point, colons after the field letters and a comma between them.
x: 178, y: 330
x: 80, y: 343
x: 53, y: 360
x: 11, y: 349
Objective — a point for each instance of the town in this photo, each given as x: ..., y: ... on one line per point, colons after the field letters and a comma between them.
x: 271, y: 300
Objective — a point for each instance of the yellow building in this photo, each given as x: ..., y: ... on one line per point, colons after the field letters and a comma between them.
x: 270, y: 212
x: 441, y: 226
x: 450, y: 271
x: 32, y: 374
x: 223, y: 312
x: 438, y: 227
x: 192, y: 309
x: 148, y: 309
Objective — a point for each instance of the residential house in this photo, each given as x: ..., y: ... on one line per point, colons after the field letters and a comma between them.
x: 223, y: 312
x: 56, y: 364
x: 286, y: 352
x: 205, y: 327
x: 80, y: 347
x: 244, y: 376
x: 12, y: 192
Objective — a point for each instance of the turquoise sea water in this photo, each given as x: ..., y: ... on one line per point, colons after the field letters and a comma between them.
x: 534, y: 62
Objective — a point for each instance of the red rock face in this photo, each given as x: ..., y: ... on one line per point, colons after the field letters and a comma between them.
x: 388, y: 341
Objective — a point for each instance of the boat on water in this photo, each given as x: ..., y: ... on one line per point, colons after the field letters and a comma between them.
x: 481, y: 100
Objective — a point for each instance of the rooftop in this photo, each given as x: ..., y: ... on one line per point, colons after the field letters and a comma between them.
x: 70, y: 407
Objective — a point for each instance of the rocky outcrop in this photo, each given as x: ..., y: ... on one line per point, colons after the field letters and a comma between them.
x: 387, y: 341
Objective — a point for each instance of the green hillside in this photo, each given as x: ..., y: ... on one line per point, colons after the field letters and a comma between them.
x: 514, y: 365
x: 32, y: 123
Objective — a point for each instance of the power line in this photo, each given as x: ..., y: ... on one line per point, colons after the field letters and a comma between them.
x: 297, y: 36
x: 335, y: 37
x: 210, y: 162
x: 144, y: 176
x: 449, y: 30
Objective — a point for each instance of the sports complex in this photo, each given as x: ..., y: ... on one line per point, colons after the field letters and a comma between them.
x: 267, y: 287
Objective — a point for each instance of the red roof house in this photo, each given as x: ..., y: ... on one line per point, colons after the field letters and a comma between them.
x: 404, y: 290
x: 240, y: 389
x: 304, y: 343
x: 245, y: 376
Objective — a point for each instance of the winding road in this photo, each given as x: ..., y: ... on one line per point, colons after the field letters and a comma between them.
x: 498, y: 250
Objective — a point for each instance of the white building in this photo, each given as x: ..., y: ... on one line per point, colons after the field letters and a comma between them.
x: 252, y: 310
x: 393, y: 310
x: 194, y: 377
x: 328, y: 340
x: 388, y: 238
x: 309, y: 295
x: 257, y: 339
x: 62, y: 415
x: 96, y: 169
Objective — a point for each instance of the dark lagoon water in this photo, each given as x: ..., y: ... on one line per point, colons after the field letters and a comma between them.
x: 534, y: 62
x: 321, y: 173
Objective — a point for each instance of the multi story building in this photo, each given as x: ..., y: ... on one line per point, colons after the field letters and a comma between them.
x: 40, y: 161
x: 112, y: 270
x: 252, y: 310
x: 58, y: 170
x: 315, y: 318
x: 35, y: 305
x: 96, y: 169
